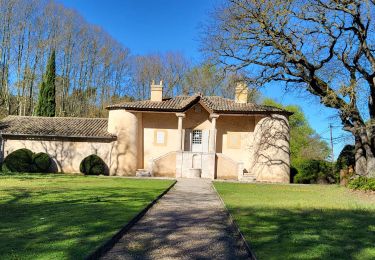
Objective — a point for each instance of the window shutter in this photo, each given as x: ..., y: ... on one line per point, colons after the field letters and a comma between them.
x: 205, y: 138
x: 187, y: 140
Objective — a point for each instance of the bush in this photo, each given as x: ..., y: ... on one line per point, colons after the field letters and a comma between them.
x: 346, y: 158
x: 24, y: 160
x: 20, y: 160
x: 314, y: 171
x: 93, y: 165
x: 362, y: 183
x: 42, y: 162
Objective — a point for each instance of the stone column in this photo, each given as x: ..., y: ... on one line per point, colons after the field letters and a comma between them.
x: 212, y: 144
x: 179, y: 131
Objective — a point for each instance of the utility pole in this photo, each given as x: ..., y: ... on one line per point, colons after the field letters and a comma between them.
x: 332, y: 154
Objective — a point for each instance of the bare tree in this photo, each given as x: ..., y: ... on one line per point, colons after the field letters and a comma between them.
x: 325, y: 47
x: 169, y: 67
x: 91, y: 65
x: 204, y: 78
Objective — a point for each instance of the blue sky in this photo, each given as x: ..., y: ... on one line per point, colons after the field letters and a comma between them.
x: 150, y: 26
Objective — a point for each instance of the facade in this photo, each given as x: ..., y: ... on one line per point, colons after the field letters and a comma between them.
x: 186, y: 136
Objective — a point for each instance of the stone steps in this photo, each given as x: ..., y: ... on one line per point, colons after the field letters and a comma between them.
x: 248, y: 178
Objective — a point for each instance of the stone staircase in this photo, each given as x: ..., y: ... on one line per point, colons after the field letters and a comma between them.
x: 248, y: 177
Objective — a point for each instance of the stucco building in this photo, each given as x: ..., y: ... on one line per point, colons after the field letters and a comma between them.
x: 185, y: 136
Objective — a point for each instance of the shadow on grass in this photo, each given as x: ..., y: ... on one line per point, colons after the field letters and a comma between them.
x: 68, y: 223
x: 308, y: 233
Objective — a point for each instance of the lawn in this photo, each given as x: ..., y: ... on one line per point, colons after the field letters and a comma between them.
x: 303, y: 221
x: 67, y: 217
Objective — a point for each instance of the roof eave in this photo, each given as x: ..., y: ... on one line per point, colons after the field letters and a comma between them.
x: 236, y: 112
x: 76, y: 137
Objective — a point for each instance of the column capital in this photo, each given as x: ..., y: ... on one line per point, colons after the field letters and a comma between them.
x: 214, y: 116
x: 180, y: 115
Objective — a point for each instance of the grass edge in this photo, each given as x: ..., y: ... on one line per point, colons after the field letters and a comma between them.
x: 106, y: 246
x: 247, y: 245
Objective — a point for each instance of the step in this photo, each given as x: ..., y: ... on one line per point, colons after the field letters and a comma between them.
x: 143, y: 173
x: 248, y: 178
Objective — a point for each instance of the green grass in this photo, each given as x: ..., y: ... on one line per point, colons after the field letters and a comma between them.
x: 67, y: 217
x: 303, y: 221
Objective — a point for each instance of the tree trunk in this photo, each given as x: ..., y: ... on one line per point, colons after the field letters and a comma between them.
x: 364, y: 158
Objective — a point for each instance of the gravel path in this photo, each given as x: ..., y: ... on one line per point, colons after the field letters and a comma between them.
x: 189, y: 222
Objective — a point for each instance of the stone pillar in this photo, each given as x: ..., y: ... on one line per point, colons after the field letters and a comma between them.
x: 212, y: 142
x: 179, y: 131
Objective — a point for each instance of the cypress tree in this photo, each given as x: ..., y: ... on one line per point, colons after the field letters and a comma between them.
x: 47, y: 91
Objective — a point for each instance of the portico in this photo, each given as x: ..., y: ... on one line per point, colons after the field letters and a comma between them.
x: 202, y: 136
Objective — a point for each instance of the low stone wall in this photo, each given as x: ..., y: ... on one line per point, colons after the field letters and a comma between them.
x: 165, y: 166
x: 67, y: 154
x: 226, y: 168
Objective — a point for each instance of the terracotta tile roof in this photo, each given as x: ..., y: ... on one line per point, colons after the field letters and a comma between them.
x: 215, y: 104
x: 225, y: 105
x: 176, y: 104
x: 58, y: 127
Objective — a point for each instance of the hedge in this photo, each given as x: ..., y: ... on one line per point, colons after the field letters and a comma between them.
x: 93, y: 165
x: 42, y: 162
x: 24, y: 160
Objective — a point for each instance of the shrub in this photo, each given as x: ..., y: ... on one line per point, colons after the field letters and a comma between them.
x: 314, y: 171
x: 42, y: 162
x: 20, y: 160
x: 346, y: 158
x: 293, y: 173
x: 24, y: 160
x: 362, y: 183
x: 93, y: 165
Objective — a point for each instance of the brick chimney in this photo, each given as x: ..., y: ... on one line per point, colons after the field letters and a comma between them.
x: 156, y: 91
x: 241, y: 93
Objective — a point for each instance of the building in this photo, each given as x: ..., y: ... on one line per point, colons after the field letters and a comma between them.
x: 185, y: 136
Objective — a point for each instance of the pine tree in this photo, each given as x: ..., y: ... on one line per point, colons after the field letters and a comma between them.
x: 47, y: 91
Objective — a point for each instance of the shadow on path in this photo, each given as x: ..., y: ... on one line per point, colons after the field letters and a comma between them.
x: 187, y: 223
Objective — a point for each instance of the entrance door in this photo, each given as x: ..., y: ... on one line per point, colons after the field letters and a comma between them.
x: 196, y: 142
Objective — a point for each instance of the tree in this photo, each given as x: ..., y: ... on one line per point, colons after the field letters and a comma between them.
x: 209, y: 79
x: 88, y: 58
x: 321, y: 46
x: 47, y: 101
x: 169, y: 67
x: 204, y: 78
x: 305, y: 143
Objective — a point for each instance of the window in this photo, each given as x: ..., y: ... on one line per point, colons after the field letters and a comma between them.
x: 160, y: 137
x: 234, y: 140
x: 197, y: 137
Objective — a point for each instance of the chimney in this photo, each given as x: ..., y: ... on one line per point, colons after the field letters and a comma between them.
x: 157, y: 91
x: 241, y: 92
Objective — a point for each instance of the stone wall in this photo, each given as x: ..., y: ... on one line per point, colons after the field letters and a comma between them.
x: 67, y: 154
x: 230, y: 128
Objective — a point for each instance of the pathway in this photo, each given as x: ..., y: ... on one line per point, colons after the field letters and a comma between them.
x: 189, y: 222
